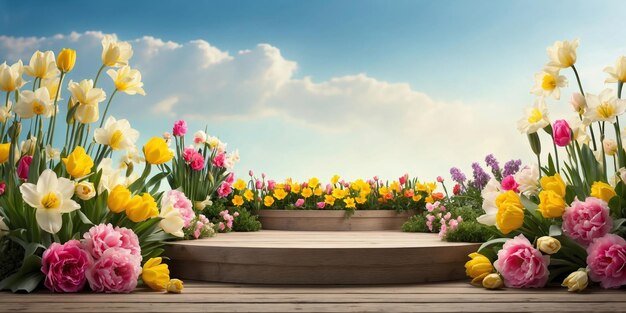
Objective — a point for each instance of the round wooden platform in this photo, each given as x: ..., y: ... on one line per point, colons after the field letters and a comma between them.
x: 333, y: 220
x: 292, y: 257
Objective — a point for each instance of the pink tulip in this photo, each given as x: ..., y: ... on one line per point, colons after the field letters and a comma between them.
x: 562, y: 133
x: 321, y: 204
x: 299, y: 203
x: 24, y: 167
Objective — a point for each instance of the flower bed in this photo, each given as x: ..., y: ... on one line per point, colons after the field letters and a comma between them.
x: 327, y: 220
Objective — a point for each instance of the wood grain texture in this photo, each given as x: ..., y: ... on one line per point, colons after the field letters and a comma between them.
x: 289, y: 257
x: 333, y: 220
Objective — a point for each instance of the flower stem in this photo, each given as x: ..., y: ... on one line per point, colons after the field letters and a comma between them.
x: 98, y: 75
x: 107, y: 107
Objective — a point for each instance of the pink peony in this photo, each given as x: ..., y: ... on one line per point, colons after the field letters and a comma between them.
x: 24, y: 166
x: 116, y: 271
x: 230, y: 179
x: 299, y: 203
x: 521, y: 265
x: 102, y: 237
x: 606, y: 260
x: 562, y: 133
x: 321, y: 204
x: 180, y: 128
x: 64, y: 266
x: 197, y: 162
x: 509, y: 183
x: 430, y: 207
x: 183, y: 204
x: 188, y: 154
x: 219, y: 160
x: 221, y: 226
x: 586, y: 221
x: 224, y: 190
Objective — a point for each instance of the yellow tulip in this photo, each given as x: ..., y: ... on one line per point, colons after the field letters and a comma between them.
x: 478, y: 267
x: 554, y: 183
x: 66, y: 60
x: 175, y: 286
x: 78, y: 163
x: 576, y: 281
x: 85, y: 190
x: 156, y: 151
x: 602, y: 191
x: 5, y: 149
x: 156, y: 274
x: 548, y: 245
x: 493, y: 281
x: 237, y: 200
x: 551, y: 205
x: 141, y: 208
x: 118, y: 199
x: 268, y: 201
x: 510, y: 215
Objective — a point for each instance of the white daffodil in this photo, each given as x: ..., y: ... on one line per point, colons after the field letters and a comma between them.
x: 115, y: 53
x: 491, y: 191
x: 172, y: 221
x: 232, y: 159
x: 5, y: 112
x: 536, y: 118
x: 11, y: 76
x: 52, y: 84
x: 84, y: 92
x: 548, y: 83
x: 28, y: 146
x: 42, y: 65
x: 578, y: 102
x: 604, y: 107
x: 528, y: 180
x: 51, y: 197
x: 116, y: 134
x: 132, y: 155
x: 52, y: 154
x: 111, y: 177
x: 4, y: 229
x: 127, y: 80
x: 34, y: 103
x: 562, y: 53
x: 579, y: 130
x: 617, y: 73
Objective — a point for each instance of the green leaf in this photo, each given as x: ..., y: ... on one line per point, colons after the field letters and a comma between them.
x: 492, y: 242
x: 617, y: 224
x: 84, y: 218
x: 555, y: 231
x: 27, y: 278
x: 529, y: 204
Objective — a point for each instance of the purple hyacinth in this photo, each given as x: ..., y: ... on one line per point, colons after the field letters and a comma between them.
x: 480, y: 177
x: 511, y: 167
x: 493, y: 163
x: 457, y: 175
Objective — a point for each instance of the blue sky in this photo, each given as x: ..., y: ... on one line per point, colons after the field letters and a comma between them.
x: 470, y: 62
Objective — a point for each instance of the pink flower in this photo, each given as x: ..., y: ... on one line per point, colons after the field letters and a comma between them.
x: 24, y: 166
x: 606, y: 259
x: 443, y: 230
x: 521, y: 265
x: 64, y: 266
x: 429, y: 224
x: 375, y: 178
x: 235, y: 214
x: 197, y: 162
x: 299, y: 203
x: 430, y: 217
x: 586, y: 221
x: 454, y: 224
x: 509, y: 183
x: 430, y: 207
x: 321, y: 204
x: 262, y: 175
x: 287, y: 187
x: 329, y: 189
x: 562, y: 133
x: 198, y: 231
x: 250, y: 173
x: 180, y: 128
x: 219, y: 160
x: 230, y: 179
x: 271, y: 184
x: 167, y: 136
x: 3, y: 187
x: 183, y: 204
x: 116, y: 271
x: 188, y: 154
x: 440, y: 179
x: 221, y: 226
x: 224, y: 190
x: 103, y: 237
x: 447, y: 216
x: 258, y: 184
x: 403, y: 179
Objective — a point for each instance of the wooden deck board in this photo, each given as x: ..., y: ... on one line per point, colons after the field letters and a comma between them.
x: 216, y: 297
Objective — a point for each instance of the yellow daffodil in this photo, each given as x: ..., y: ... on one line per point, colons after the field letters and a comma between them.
x: 603, y: 191
x: 11, y: 76
x: 313, y: 182
x: 562, y: 53
x: 118, y: 199
x: 156, y: 151
x: 5, y: 149
x: 34, y: 103
x: 240, y: 184
x: 280, y: 193
x: 51, y: 197
x: 85, y: 190
x: 78, y: 163
x: 307, y: 192
x: 548, y: 83
x: 478, y: 267
x: 361, y: 200
x: 156, y: 274
x: 349, y: 201
x: 248, y: 195
x: 52, y: 84
x: 175, y: 286
x: 6, y: 112
x: 335, y: 179
x: 84, y: 93
x: 416, y: 198
x: 66, y: 60
x: 116, y: 134
x: 339, y: 193
x: 115, y: 53
x: 237, y: 200
x: 617, y: 73
x: 318, y: 191
x: 127, y: 80
x: 42, y: 65
x: 330, y: 200
x: 551, y: 204
x: 604, y: 107
x: 268, y: 201
x: 295, y: 188
x: 553, y: 183
x: 510, y: 215
x: 536, y: 118
x: 141, y: 208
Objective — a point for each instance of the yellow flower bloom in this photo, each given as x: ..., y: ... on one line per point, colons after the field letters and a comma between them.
x: 318, y: 191
x: 295, y: 188
x: 5, y: 149
x: 115, y: 53
x: 429, y: 199
x: 248, y: 195
x: 395, y: 186
x: 349, y: 203
x: 313, y: 182
x: 478, y: 267
x: 335, y: 179
x: 602, y: 191
x: 239, y: 184
x: 268, y: 201
x: 554, y: 183
x: 78, y: 163
x: 11, y: 76
x: 237, y: 200
x: 551, y: 205
x: 66, y: 60
x: 141, y: 208
x: 562, y: 53
x: 338, y: 193
x: 42, y: 65
x: 330, y: 200
x: 510, y: 215
x: 417, y: 198
x: 576, y: 281
x: 118, y: 199
x: 157, y: 151
x: 156, y: 274
x: 548, y: 245
x: 307, y: 192
x: 127, y: 80
x: 280, y: 193
x: 175, y: 286
x: 85, y: 190
x: 361, y: 200
x: 493, y: 281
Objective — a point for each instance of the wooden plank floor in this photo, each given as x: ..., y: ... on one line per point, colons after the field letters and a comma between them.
x: 219, y: 297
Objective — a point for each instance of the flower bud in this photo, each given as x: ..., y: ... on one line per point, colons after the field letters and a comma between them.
x: 493, y: 281
x: 175, y: 286
x: 548, y: 245
x: 610, y: 146
x: 578, y: 102
x: 576, y: 281
x: 85, y: 190
x: 66, y: 60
